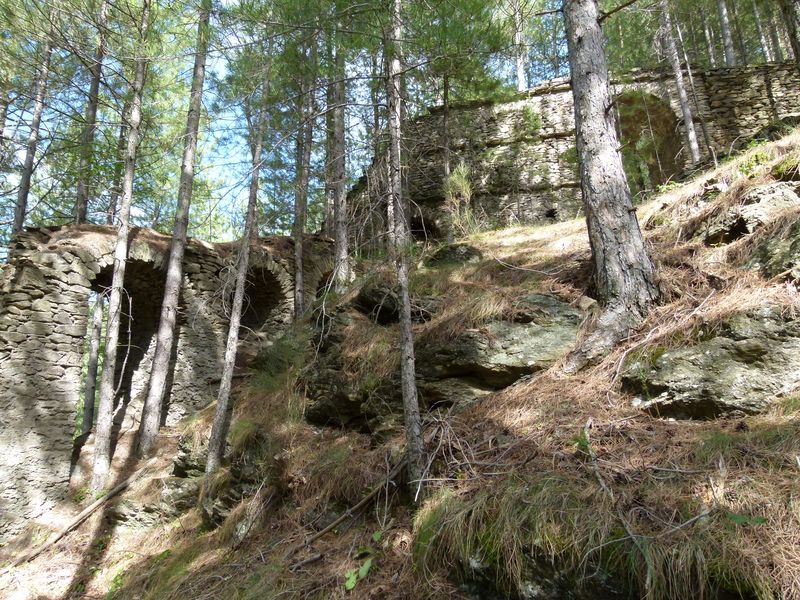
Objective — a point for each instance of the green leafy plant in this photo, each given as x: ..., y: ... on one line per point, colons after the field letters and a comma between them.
x: 532, y: 120
x: 457, y: 190
x: 353, y: 576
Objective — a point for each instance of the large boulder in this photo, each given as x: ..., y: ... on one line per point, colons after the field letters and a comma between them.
x: 501, y: 352
x: 758, y: 206
x: 752, y: 359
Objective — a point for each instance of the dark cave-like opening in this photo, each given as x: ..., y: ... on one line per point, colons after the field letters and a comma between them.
x: 262, y: 296
x: 651, y: 140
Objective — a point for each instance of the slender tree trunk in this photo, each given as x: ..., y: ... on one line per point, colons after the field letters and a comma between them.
x: 151, y: 413
x: 341, y: 250
x: 737, y: 28
x: 703, y: 124
x: 624, y: 277
x: 224, y: 409
x: 790, y: 9
x: 762, y: 34
x: 413, y: 422
x: 119, y: 166
x: 725, y: 31
x: 305, y: 137
x: 33, y: 136
x: 520, y: 50
x: 90, y: 118
x: 774, y: 35
x: 105, y: 411
x: 4, y: 102
x: 712, y: 53
x: 328, y: 225
x: 675, y: 62
x: 91, y: 369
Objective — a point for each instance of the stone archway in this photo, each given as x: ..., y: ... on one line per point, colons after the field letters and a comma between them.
x: 651, y: 139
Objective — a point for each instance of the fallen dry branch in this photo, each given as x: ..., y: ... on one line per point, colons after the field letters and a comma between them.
x: 85, y: 514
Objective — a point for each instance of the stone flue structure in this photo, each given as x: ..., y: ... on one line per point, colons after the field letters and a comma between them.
x: 45, y: 292
x: 521, y: 154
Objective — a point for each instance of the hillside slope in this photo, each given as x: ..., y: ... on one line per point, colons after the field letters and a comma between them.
x: 668, y: 471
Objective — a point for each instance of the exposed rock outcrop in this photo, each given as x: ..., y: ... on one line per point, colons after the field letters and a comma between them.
x: 750, y: 360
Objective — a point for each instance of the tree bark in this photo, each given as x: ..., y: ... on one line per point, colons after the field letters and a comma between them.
x: 774, y: 35
x: 709, y: 39
x: 762, y: 34
x: 119, y: 167
x: 33, y: 136
x: 413, y: 422
x: 105, y: 412
x: 703, y: 123
x: 342, y: 268
x: 91, y: 369
x: 737, y: 28
x: 90, y: 118
x: 4, y: 102
x: 520, y: 51
x: 224, y: 408
x: 727, y: 36
x: 675, y: 62
x: 151, y: 413
x: 623, y: 278
x: 790, y: 9
x: 328, y: 224
x: 305, y: 136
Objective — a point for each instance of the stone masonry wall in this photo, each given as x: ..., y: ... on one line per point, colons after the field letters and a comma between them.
x: 44, y: 310
x: 522, y: 157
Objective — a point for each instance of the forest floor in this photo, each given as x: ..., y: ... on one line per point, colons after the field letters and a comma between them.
x: 559, y: 470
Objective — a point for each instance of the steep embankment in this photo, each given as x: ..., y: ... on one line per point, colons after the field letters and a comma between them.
x: 670, y: 470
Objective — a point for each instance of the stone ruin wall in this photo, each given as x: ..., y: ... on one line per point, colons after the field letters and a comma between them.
x: 524, y: 174
x: 44, y: 312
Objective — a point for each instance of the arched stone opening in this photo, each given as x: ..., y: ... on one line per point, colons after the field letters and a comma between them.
x: 262, y: 316
x: 143, y: 293
x: 651, y: 140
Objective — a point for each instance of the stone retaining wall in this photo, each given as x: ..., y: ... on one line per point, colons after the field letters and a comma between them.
x: 522, y: 157
x: 44, y: 309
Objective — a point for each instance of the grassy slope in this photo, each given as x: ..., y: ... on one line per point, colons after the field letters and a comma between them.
x: 674, y: 508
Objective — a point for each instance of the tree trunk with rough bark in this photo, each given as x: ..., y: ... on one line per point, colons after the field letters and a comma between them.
x: 413, y: 422
x: 105, y: 410
x: 624, y: 278
x: 341, y: 256
x: 119, y: 167
x: 33, y: 136
x: 159, y: 372
x: 4, y: 102
x: 224, y: 408
x: 671, y: 50
x: 727, y: 36
x: 91, y: 368
x: 90, y: 118
x: 305, y: 137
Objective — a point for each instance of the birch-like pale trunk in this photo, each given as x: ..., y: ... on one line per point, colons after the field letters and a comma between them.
x: 90, y: 118
x: 671, y: 49
x: 224, y: 409
x: 725, y: 32
x: 105, y: 410
x: 21, y: 207
x: 413, y: 422
x: 341, y: 251
x: 91, y: 368
x: 766, y: 50
x: 737, y: 29
x: 624, y: 276
x: 159, y: 372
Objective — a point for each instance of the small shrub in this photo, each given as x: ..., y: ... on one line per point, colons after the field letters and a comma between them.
x: 532, y: 120
x: 458, y: 197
